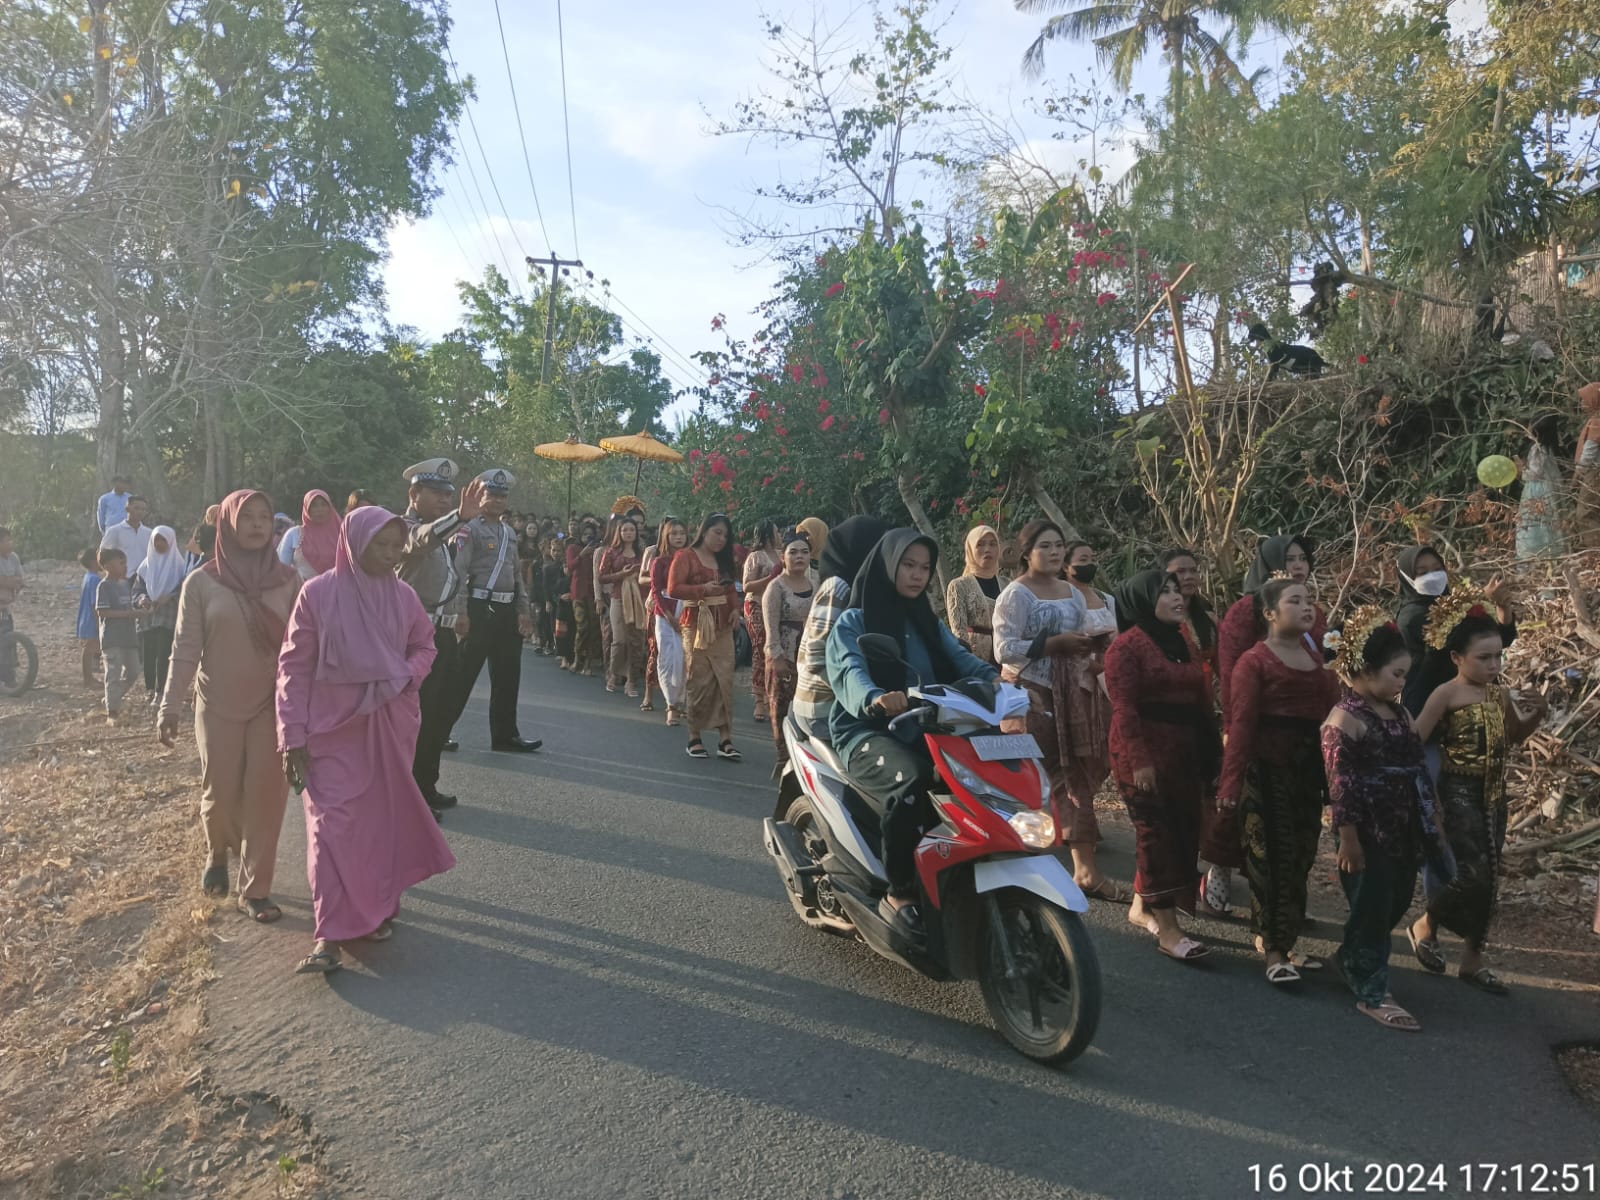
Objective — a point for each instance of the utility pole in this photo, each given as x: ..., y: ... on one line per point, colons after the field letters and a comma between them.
x: 550, y: 306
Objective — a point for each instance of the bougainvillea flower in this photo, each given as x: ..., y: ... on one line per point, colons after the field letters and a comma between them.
x: 827, y: 424
x: 834, y: 290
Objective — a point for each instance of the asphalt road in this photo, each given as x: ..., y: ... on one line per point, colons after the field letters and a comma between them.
x: 610, y: 997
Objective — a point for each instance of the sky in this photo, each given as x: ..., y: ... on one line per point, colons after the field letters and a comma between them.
x: 650, y: 186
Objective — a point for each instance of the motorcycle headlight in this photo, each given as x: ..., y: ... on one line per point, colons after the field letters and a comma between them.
x: 1036, y: 829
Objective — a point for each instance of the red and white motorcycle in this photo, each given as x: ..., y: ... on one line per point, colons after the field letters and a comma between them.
x: 995, y: 905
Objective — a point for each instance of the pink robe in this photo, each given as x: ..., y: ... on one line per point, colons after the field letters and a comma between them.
x: 369, y: 834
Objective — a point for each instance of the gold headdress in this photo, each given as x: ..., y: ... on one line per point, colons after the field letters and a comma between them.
x: 1449, y: 611
x: 1349, y: 644
x: 626, y: 504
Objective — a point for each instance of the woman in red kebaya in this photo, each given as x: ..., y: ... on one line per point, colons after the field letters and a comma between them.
x: 1164, y: 752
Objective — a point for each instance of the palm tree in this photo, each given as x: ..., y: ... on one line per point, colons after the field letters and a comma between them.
x: 1122, y: 31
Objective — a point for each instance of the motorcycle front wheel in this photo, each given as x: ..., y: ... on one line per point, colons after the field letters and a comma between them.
x: 1040, y: 976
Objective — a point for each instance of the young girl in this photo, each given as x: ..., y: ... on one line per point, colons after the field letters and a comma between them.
x: 156, y: 582
x: 1383, y: 805
x: 1272, y: 772
x: 664, y: 613
x: 1475, y: 721
x: 88, y: 627
x: 784, y: 607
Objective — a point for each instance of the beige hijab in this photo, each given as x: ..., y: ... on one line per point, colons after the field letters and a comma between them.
x: 974, y: 536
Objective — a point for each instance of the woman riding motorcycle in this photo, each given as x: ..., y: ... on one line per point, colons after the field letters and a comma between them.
x: 892, y: 770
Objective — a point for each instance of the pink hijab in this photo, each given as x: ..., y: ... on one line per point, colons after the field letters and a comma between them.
x: 249, y: 573
x: 319, y: 543
x: 363, y: 620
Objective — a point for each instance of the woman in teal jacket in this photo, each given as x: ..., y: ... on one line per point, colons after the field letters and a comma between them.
x: 893, y: 770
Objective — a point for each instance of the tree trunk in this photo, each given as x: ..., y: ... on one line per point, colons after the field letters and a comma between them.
x: 1047, y: 504
x: 108, y: 330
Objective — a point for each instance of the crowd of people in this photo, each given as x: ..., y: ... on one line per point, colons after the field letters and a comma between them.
x: 337, y: 655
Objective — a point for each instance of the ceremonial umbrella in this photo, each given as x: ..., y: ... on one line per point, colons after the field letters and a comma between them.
x: 572, y: 452
x: 644, y: 446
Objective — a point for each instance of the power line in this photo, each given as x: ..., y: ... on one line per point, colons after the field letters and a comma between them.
x: 566, y: 127
x: 667, y: 346
x: 522, y: 135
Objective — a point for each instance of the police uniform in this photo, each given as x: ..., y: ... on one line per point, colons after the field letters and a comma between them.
x: 486, y: 557
x: 428, y: 564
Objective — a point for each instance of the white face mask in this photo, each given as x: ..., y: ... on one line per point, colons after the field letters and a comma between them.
x: 1434, y: 583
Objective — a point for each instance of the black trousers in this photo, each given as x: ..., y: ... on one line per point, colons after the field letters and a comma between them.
x: 438, y: 699
x: 494, y: 639
x: 894, y: 777
x: 157, y: 647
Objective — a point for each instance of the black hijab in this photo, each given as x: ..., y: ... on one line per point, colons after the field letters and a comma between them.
x: 849, y: 543
x: 1270, y: 558
x: 886, y: 611
x: 1136, y: 604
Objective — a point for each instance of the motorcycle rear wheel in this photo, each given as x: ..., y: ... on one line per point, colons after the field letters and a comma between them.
x: 1050, y: 1008
x: 18, y: 647
x: 802, y: 814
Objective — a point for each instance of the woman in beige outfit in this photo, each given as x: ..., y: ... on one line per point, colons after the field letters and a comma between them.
x: 969, y: 600
x: 231, y: 619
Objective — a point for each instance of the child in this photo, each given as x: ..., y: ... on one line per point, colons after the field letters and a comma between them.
x: 1383, y: 806
x: 119, y: 636
x: 1475, y: 722
x: 11, y: 582
x: 88, y: 627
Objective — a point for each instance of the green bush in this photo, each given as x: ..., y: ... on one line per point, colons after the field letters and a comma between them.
x: 50, y: 533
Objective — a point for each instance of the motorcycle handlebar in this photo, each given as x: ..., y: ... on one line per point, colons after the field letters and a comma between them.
x: 909, y: 713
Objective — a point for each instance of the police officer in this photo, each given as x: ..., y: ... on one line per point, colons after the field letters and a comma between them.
x: 428, y: 564
x: 497, y: 612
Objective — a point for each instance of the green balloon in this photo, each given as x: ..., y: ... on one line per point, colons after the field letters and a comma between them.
x: 1497, y: 471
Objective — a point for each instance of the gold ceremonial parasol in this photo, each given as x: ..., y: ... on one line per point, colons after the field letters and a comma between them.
x: 572, y: 452
x: 644, y: 446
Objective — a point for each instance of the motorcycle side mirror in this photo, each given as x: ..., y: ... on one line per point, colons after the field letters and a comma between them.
x: 880, y: 648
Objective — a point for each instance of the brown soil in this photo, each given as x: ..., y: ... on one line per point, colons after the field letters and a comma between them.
x: 105, y: 948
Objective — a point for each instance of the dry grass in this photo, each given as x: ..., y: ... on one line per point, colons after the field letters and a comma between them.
x: 105, y: 948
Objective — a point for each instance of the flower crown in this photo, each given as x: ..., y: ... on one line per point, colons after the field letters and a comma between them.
x: 1447, y: 613
x: 626, y: 504
x: 1350, y: 643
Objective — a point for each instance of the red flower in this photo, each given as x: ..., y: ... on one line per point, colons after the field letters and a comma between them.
x: 780, y: 431
x: 738, y: 437
x: 827, y: 423
x: 980, y: 389
x: 796, y: 372
x: 717, y: 321
x: 763, y: 412
x: 1105, y: 298
x: 767, y: 482
x: 824, y: 405
x: 799, y: 486
x: 1056, y: 345
x: 980, y: 243
x: 727, y: 485
x: 834, y: 290
x: 883, y: 416
x: 696, y: 455
x: 1363, y: 360
x: 859, y: 456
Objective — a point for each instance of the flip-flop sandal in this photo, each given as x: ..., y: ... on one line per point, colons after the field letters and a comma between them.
x: 381, y: 934
x: 1187, y: 950
x: 1485, y: 980
x: 319, y: 962
x: 1307, y: 962
x: 727, y: 752
x: 215, y: 882
x: 696, y: 749
x: 1391, y: 1016
x: 1427, y: 952
x: 1279, y: 974
x: 1110, y: 890
x: 647, y: 707
x: 260, y: 910
x: 1215, y: 891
